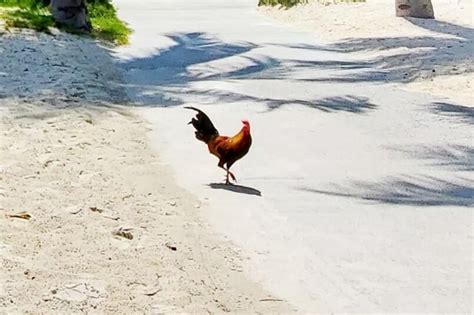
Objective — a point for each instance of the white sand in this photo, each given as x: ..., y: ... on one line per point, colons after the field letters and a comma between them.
x: 67, y: 150
x: 371, y: 29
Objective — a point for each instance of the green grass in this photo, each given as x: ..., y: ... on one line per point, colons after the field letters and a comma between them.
x: 21, y: 3
x: 37, y: 19
x: 33, y: 14
x: 105, y: 23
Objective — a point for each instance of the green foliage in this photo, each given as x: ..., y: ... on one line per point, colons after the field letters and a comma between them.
x: 35, y: 15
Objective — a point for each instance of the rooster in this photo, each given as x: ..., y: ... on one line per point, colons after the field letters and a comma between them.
x: 227, y: 149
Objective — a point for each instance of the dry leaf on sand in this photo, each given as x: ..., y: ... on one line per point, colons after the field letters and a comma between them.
x: 124, y: 232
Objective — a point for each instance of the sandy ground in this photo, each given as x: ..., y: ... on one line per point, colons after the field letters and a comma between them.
x: 433, y: 56
x: 80, y: 167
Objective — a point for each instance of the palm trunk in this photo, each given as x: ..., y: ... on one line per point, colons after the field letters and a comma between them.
x: 71, y: 13
x: 414, y: 8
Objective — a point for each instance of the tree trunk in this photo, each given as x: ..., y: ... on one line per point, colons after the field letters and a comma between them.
x: 72, y: 13
x: 414, y: 8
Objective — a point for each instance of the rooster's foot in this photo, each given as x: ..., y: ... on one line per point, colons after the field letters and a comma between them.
x: 229, y: 173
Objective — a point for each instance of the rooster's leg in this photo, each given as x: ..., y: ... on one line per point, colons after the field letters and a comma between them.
x: 221, y: 165
x: 231, y: 175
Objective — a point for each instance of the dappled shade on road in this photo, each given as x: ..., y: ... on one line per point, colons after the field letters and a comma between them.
x: 464, y: 113
x: 407, y: 190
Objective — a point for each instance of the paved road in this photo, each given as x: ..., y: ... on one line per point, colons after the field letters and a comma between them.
x: 366, y: 190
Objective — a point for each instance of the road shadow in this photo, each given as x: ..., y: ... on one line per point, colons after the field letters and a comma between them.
x: 182, y: 69
x: 237, y: 189
x: 347, y: 103
x: 450, y: 157
x: 188, y: 60
x: 172, y: 65
x: 168, y: 76
x: 417, y: 190
x: 406, y: 190
x: 464, y: 113
x: 448, y: 50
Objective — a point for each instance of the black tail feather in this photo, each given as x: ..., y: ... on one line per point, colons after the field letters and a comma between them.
x: 205, y: 130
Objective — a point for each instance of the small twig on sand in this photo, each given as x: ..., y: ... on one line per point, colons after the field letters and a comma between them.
x: 112, y: 218
x: 22, y: 215
x: 172, y: 247
x: 151, y: 293
x: 127, y: 196
x: 271, y: 300
x: 72, y: 287
x: 76, y: 212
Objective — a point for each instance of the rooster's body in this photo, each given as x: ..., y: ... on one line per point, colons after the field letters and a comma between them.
x: 227, y: 149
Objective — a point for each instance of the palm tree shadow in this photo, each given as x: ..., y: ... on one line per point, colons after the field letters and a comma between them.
x: 236, y: 188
